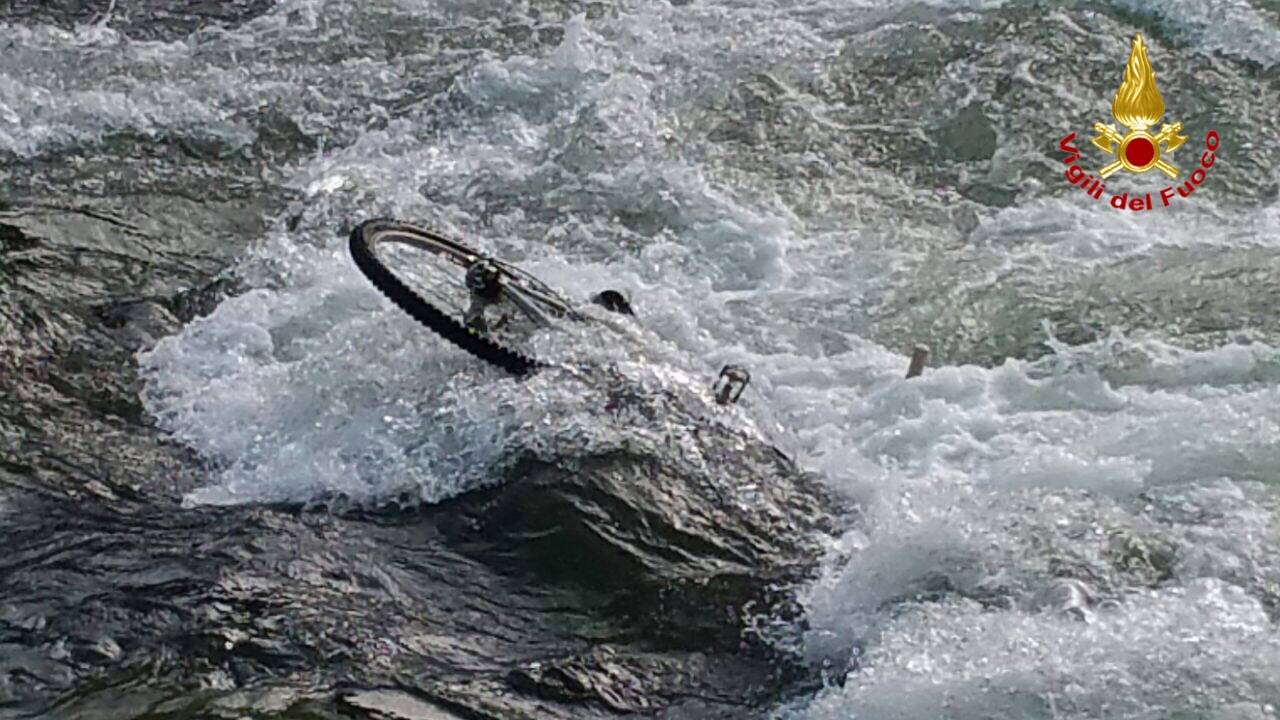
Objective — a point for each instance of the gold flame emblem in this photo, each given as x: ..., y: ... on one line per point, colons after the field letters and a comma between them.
x: 1138, y: 106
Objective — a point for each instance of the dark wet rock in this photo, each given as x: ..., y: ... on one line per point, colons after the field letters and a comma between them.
x: 595, y: 677
x: 139, y: 324
x: 967, y: 136
x: 609, y: 681
x: 309, y: 605
x: 115, y: 596
x: 13, y: 239
x: 188, y: 305
x: 387, y: 704
x: 989, y: 194
x: 280, y: 133
x: 626, y: 683
x: 682, y: 554
x: 87, y: 284
x: 91, y: 253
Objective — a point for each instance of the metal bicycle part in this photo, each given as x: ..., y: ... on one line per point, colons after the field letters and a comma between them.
x: 729, y: 385
x: 449, y: 287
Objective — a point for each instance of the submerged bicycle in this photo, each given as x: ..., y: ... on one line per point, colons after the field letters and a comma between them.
x: 483, y: 305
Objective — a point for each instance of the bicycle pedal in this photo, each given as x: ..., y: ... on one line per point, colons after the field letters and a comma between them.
x: 729, y: 385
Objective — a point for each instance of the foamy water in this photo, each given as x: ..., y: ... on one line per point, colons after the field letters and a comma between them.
x: 1089, y: 534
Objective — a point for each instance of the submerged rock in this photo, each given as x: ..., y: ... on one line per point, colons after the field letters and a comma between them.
x: 596, y: 676
x: 618, y: 583
x: 684, y: 553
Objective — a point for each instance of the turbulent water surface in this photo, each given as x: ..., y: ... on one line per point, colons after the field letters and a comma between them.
x: 237, y: 482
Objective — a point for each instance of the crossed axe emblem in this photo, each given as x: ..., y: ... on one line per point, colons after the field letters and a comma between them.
x: 1138, y: 150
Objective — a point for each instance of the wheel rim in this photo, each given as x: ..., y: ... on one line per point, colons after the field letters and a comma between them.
x: 436, y: 268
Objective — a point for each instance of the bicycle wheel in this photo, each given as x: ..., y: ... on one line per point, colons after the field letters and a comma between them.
x: 426, y: 275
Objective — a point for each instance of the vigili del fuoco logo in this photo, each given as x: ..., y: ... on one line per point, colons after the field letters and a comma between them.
x: 1138, y: 106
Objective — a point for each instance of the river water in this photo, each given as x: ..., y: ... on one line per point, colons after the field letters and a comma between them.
x: 1071, y: 514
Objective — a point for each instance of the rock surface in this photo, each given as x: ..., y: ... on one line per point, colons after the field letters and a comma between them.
x: 608, y: 585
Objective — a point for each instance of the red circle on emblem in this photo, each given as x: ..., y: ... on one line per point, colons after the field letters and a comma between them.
x: 1140, y: 152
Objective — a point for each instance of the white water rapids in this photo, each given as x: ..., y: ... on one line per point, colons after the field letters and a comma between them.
x: 1089, y: 533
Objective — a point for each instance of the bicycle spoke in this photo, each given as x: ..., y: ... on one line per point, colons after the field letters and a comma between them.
x: 488, y: 307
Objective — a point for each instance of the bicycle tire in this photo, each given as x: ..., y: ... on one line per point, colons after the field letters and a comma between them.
x: 364, y: 242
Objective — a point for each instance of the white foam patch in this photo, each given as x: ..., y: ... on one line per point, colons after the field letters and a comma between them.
x: 988, y: 484
x: 59, y: 87
x: 1138, y: 658
x: 277, y: 389
x: 73, y: 87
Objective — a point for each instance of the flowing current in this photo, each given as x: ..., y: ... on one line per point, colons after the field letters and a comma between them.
x: 1071, y: 514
